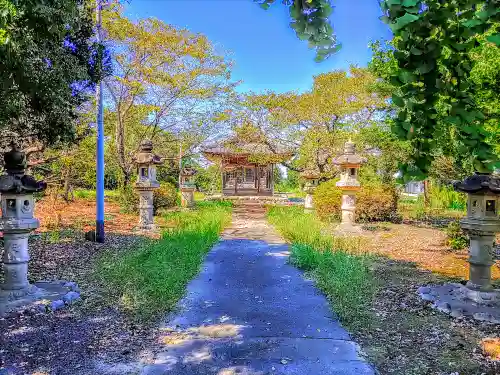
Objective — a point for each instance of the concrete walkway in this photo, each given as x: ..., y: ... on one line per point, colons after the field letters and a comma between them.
x: 250, y: 313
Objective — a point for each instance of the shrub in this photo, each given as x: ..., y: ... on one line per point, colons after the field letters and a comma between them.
x: 327, y: 200
x: 373, y: 203
x: 165, y: 196
x: 457, y: 239
x: 376, y: 203
x: 444, y: 197
x: 128, y: 199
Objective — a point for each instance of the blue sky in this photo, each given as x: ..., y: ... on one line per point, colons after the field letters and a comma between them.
x: 267, y: 54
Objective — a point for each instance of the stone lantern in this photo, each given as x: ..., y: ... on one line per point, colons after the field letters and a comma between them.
x: 349, y: 163
x: 481, y: 224
x: 187, y: 186
x: 16, y: 223
x: 146, y: 182
x: 311, y: 178
x: 477, y: 299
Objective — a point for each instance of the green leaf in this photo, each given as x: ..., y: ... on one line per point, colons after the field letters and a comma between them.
x: 397, y: 100
x: 495, y: 38
x: 425, y: 68
x: 406, y: 76
x: 455, y: 120
x: 392, y: 2
x: 410, y: 3
x: 415, y: 51
x: 472, y: 23
x: 264, y: 6
x: 468, y: 129
x: 403, y: 21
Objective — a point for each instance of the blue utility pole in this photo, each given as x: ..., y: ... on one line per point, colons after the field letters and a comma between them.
x: 99, y: 223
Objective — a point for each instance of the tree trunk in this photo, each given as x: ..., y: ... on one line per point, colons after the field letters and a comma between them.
x: 426, y: 193
x: 67, y: 184
x: 120, y: 150
x: 126, y: 177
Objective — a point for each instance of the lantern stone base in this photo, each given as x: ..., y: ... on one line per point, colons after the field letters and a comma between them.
x: 459, y: 301
x: 42, y: 296
x: 187, y: 197
x: 309, y: 204
x: 348, y: 229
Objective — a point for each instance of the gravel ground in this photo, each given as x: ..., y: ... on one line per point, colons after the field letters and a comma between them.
x: 71, y: 340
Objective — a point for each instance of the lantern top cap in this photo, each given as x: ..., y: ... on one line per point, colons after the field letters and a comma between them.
x: 310, y: 174
x: 16, y: 181
x: 145, y: 154
x: 188, y: 170
x: 479, y: 183
x: 146, y: 145
x: 349, y: 156
x: 14, y: 160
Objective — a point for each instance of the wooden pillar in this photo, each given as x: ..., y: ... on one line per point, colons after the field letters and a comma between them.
x: 223, y: 176
x: 236, y: 181
x: 258, y: 180
x: 272, y: 179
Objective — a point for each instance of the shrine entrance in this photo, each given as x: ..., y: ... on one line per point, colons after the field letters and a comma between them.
x: 247, y: 180
x: 240, y: 174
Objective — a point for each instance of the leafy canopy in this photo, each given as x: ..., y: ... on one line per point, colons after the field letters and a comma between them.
x: 310, y: 20
x: 435, y: 93
x: 48, y: 66
x: 169, y: 85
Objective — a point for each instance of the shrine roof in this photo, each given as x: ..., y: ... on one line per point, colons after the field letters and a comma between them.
x: 247, y: 149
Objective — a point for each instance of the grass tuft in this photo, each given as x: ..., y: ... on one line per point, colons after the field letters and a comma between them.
x: 338, y: 266
x: 149, y: 280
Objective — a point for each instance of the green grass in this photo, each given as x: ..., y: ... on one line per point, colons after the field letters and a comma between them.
x: 91, y: 194
x: 150, y: 279
x: 338, y: 266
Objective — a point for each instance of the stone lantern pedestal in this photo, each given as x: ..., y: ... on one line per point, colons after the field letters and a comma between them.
x: 187, y: 186
x: 146, y: 183
x: 311, y: 178
x: 477, y: 298
x: 349, y: 163
x: 16, y: 223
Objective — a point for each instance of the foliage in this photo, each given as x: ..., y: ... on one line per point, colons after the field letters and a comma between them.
x: 374, y: 202
x: 164, y: 197
x: 457, y: 239
x: 327, y: 200
x: 48, y: 67
x: 343, y: 276
x: 435, y: 93
x: 209, y: 179
x: 316, y: 124
x: 377, y: 203
x: 288, y: 184
x: 128, y: 199
x: 170, y: 85
x: 445, y: 197
x: 310, y: 20
x: 150, y: 279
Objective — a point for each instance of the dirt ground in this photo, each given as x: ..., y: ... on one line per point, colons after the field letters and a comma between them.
x: 61, y: 342
x: 406, y: 337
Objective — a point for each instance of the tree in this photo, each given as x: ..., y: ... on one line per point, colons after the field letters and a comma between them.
x: 310, y: 20
x: 317, y: 123
x: 435, y: 92
x: 168, y: 83
x: 448, y: 154
x: 48, y: 67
